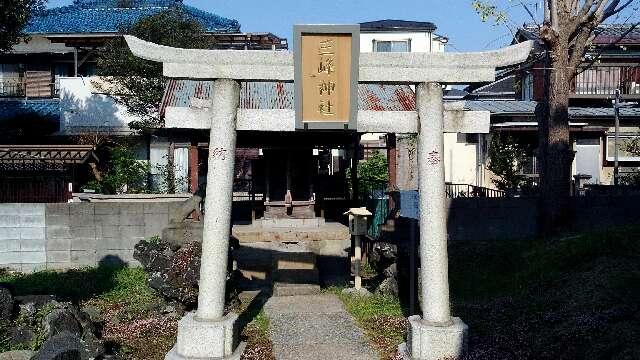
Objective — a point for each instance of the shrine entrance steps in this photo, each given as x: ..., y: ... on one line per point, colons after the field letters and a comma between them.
x: 295, y: 272
x: 315, y: 327
x: 291, y: 260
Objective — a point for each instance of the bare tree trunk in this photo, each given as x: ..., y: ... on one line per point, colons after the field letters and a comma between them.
x: 96, y: 173
x: 555, y: 151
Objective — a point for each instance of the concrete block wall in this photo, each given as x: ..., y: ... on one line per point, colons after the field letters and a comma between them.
x: 517, y: 218
x: 22, y: 236
x: 71, y: 235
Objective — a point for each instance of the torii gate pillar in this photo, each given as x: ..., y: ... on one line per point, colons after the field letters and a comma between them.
x: 435, y: 335
x: 208, y: 333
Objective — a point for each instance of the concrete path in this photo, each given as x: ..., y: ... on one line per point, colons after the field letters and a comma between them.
x: 315, y: 327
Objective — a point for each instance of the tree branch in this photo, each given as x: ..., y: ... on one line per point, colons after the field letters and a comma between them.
x: 613, y: 8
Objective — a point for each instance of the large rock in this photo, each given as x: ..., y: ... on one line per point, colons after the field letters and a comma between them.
x: 17, y: 355
x: 61, y: 320
x: 388, y: 287
x: 383, y: 255
x: 6, y: 304
x: 175, y: 274
x: 64, y: 346
x: 21, y: 336
x: 179, y: 234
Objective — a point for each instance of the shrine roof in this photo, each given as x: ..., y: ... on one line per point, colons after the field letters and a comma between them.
x: 280, y: 95
x: 108, y: 16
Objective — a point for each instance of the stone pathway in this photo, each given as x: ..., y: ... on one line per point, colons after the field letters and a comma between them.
x: 315, y: 327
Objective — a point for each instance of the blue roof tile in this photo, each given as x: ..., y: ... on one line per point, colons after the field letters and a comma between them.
x: 108, y: 16
x: 48, y: 109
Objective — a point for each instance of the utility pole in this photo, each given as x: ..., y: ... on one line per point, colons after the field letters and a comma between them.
x: 617, y: 104
x: 616, y: 112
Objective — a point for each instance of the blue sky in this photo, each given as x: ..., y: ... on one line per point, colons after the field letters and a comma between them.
x: 455, y: 19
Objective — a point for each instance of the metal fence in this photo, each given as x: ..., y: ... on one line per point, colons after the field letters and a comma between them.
x: 12, y: 87
x: 374, y: 198
x: 34, y: 189
x: 465, y: 190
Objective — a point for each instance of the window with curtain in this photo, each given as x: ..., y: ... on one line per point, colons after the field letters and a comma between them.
x: 392, y: 46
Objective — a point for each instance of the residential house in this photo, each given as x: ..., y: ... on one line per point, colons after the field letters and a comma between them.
x: 460, y: 149
x: 50, y: 98
x: 612, y: 63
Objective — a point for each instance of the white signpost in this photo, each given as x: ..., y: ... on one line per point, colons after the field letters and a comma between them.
x: 209, y: 333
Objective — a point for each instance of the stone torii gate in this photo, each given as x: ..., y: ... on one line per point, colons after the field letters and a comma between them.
x: 208, y: 333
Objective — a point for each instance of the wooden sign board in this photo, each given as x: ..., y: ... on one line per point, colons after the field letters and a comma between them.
x: 326, y: 76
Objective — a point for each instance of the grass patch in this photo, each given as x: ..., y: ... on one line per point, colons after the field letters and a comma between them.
x: 129, y: 310
x: 256, y: 331
x: 72, y: 285
x: 575, y: 296
x: 380, y: 317
x: 578, y: 293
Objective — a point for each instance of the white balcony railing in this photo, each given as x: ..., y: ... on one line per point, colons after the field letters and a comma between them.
x: 605, y: 80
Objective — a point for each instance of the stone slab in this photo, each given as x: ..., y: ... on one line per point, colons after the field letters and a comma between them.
x: 58, y: 256
x: 7, y: 245
x: 9, y: 209
x: 33, y: 257
x: 33, y: 245
x: 292, y: 290
x: 374, y: 67
x: 206, y: 339
x: 32, y: 233
x: 399, y: 122
x: 435, y: 342
x: 315, y: 327
x: 316, y: 304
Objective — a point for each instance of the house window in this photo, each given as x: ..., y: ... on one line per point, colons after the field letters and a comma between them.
x: 622, y: 155
x: 392, y: 46
x: 11, y: 81
x: 527, y: 87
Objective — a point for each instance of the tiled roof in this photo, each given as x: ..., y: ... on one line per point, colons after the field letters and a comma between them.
x: 504, y: 86
x: 48, y: 109
x: 280, y: 95
x: 527, y: 108
x: 605, y: 34
x: 396, y: 25
x: 108, y: 16
x: 616, y: 33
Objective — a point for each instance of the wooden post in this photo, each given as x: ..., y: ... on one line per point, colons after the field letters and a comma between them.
x: 357, y: 259
x: 355, y: 186
x: 171, y: 170
x: 392, y: 166
x: 193, y: 168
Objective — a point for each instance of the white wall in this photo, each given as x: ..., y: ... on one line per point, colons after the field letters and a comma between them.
x: 84, y: 109
x: 420, y: 41
x: 460, y: 159
x: 40, y: 44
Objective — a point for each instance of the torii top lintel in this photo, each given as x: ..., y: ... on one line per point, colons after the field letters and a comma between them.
x: 398, y: 68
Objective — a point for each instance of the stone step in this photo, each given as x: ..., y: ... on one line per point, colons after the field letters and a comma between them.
x: 282, y: 289
x: 287, y: 223
x: 295, y: 260
x: 297, y: 276
x: 258, y: 233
